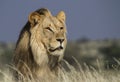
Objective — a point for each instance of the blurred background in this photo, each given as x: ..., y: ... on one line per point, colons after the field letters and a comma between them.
x: 93, y: 29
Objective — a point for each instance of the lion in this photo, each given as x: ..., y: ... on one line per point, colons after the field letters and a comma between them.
x: 41, y: 44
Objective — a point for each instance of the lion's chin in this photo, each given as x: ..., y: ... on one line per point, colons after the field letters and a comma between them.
x: 57, y: 53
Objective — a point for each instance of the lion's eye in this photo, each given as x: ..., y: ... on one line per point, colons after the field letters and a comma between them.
x: 48, y: 28
x: 61, y: 28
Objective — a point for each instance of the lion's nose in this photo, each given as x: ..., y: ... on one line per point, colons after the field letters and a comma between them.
x: 60, y: 40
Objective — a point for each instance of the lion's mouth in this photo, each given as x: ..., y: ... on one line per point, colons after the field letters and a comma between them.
x: 58, y: 48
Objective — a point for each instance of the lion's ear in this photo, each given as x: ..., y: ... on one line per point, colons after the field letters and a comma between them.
x: 34, y: 18
x: 61, y: 15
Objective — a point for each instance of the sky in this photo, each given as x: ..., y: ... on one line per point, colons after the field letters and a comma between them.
x: 94, y: 19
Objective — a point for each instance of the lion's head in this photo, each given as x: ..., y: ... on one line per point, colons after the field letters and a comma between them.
x: 42, y: 41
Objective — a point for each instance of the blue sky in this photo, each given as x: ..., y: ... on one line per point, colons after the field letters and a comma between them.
x: 95, y: 19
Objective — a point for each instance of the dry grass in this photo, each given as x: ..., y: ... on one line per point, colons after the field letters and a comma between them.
x: 73, y: 75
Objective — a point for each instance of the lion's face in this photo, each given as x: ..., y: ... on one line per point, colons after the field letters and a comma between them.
x: 54, y: 35
x: 50, y: 32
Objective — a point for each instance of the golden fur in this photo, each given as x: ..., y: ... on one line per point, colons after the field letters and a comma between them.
x: 41, y: 44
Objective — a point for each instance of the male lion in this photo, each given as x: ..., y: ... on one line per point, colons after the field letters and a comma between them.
x: 41, y: 44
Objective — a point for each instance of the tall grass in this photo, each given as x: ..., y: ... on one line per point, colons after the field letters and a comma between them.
x: 89, y: 74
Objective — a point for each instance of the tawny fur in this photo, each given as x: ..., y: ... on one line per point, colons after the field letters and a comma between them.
x: 41, y: 44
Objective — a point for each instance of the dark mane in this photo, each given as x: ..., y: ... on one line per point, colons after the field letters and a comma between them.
x: 26, y: 28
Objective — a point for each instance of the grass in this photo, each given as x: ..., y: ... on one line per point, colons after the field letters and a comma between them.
x: 89, y: 74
